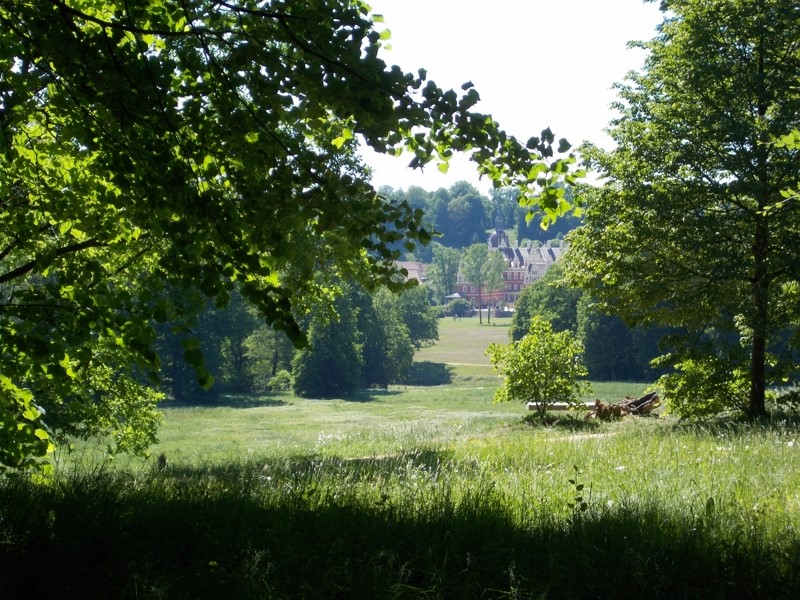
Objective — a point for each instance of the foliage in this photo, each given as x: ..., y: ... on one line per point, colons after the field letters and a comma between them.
x: 387, y: 347
x: 192, y: 146
x: 692, y: 229
x: 612, y: 349
x: 705, y: 385
x: 538, y: 227
x: 550, y: 299
x: 281, y: 381
x: 20, y: 438
x: 365, y: 344
x: 503, y: 206
x: 415, y: 311
x: 457, y: 307
x: 443, y: 272
x: 462, y: 221
x: 610, y: 353
x: 268, y: 352
x: 543, y: 367
x: 428, y: 373
x: 332, y: 365
x: 221, y: 334
x: 478, y: 268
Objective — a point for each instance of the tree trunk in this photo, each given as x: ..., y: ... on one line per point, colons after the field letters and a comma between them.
x: 761, y: 276
x: 760, y: 289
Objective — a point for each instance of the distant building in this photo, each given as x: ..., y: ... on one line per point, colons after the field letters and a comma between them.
x: 416, y: 270
x: 524, y: 266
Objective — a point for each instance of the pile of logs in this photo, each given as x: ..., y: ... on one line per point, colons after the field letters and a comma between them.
x: 607, y: 411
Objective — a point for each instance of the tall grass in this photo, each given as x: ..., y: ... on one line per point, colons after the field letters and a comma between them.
x: 644, y: 508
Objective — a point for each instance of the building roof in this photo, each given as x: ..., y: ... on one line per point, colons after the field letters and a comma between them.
x: 416, y: 270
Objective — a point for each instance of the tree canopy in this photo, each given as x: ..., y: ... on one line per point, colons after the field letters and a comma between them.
x: 199, y: 146
x: 443, y: 272
x: 691, y: 229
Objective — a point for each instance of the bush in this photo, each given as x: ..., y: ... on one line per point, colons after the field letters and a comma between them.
x: 457, y: 308
x: 543, y: 367
x: 282, y: 381
x: 704, y: 386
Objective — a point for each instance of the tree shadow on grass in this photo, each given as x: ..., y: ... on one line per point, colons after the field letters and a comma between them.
x: 369, y: 395
x: 568, y: 422
x: 229, y: 401
x: 257, y: 534
x: 313, y: 468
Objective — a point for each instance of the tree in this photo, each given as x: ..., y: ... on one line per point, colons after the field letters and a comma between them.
x: 458, y: 307
x: 332, y: 365
x: 474, y: 263
x: 416, y: 313
x: 609, y: 350
x: 543, y: 367
x: 503, y: 205
x: 392, y: 338
x: 199, y: 146
x: 443, y: 272
x: 230, y: 327
x: 495, y: 267
x: 691, y: 230
x: 364, y: 344
x: 465, y: 220
x: 268, y: 352
x: 549, y: 298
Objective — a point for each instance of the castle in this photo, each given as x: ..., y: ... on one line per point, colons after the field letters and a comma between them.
x: 524, y: 266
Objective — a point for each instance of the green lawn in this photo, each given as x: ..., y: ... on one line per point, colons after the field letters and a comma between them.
x: 464, y: 341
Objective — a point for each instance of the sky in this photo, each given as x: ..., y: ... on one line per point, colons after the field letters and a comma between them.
x: 535, y: 63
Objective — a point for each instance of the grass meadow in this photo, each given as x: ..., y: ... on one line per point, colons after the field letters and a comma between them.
x: 415, y: 492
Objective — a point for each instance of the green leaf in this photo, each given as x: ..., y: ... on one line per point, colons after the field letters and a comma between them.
x: 339, y: 141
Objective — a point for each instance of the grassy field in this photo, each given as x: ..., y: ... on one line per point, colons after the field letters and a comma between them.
x: 463, y: 344
x: 415, y: 492
x: 373, y: 421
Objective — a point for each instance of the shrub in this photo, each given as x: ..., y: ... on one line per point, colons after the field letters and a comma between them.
x: 704, y: 386
x: 543, y: 367
x: 281, y: 382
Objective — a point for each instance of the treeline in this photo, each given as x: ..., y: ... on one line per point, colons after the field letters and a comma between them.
x: 363, y: 340
x: 461, y: 215
x: 613, y: 351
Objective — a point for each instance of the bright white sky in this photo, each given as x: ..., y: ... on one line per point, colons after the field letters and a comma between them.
x: 535, y: 63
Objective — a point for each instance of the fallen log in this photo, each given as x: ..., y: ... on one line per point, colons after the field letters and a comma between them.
x: 607, y: 411
x: 643, y: 405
